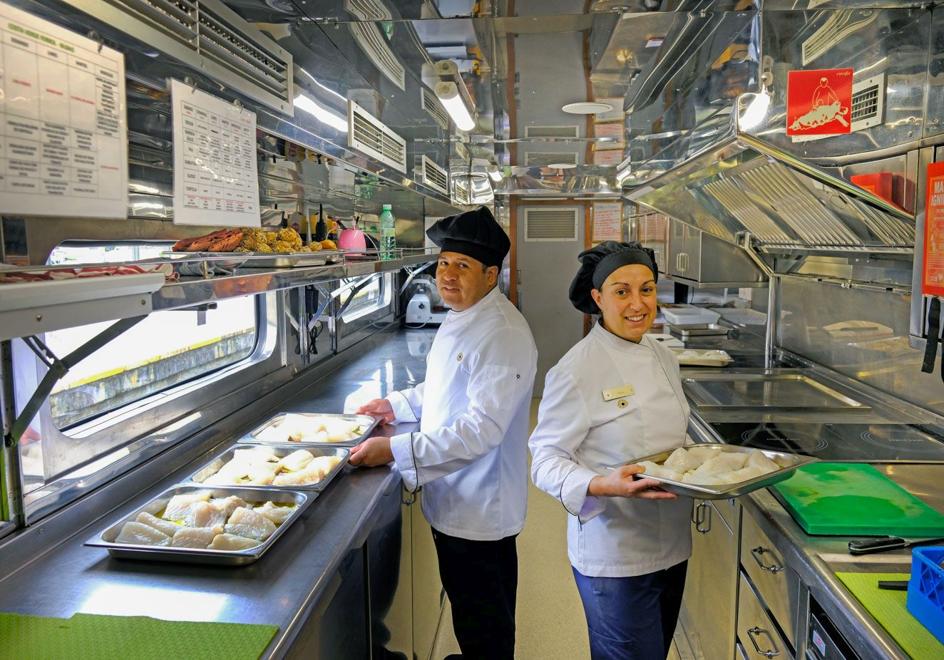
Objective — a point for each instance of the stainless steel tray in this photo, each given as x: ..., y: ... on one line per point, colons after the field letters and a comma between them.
x: 214, y: 465
x: 291, y: 259
x: 684, y: 331
x: 729, y: 490
x: 781, y: 390
x: 700, y: 357
x: 105, y: 538
x: 367, y: 421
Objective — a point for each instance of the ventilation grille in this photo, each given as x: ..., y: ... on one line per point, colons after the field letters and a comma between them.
x: 435, y: 176
x: 372, y: 42
x: 532, y: 159
x: 550, y: 131
x: 215, y: 40
x: 550, y: 224
x: 435, y: 109
x: 367, y: 10
x: 367, y: 134
x: 868, y: 102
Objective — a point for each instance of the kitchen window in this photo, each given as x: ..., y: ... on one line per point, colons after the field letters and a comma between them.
x: 376, y: 295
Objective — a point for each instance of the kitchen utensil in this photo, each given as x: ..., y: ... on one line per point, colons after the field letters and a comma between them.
x: 869, y: 546
x: 855, y: 499
x: 893, y: 585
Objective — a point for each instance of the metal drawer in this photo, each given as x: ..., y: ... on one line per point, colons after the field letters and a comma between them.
x: 756, y: 633
x: 778, y: 586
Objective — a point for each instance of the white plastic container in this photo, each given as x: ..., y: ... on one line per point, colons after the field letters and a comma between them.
x: 689, y: 315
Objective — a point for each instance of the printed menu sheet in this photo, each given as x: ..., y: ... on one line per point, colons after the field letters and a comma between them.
x: 215, y: 169
x: 607, y: 222
x: 63, y: 131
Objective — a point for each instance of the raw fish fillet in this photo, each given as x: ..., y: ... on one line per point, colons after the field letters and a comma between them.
x: 247, y: 531
x: 262, y: 474
x: 758, y: 460
x: 195, y: 537
x: 682, y: 460
x: 340, y: 430
x: 179, y: 505
x: 141, y: 534
x: 257, y: 525
x: 297, y: 460
x: 317, y: 470
x: 656, y: 470
x: 163, y: 526
x: 277, y: 514
x: 745, y: 473
x: 231, y: 542
x: 702, y: 454
x: 704, y: 479
x: 204, y: 514
x: 229, y: 504
x: 722, y: 462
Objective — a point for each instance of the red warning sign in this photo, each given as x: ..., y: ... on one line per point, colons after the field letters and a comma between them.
x: 819, y: 102
x: 932, y: 281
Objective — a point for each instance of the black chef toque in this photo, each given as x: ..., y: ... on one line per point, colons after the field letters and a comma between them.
x: 597, y: 263
x: 475, y: 234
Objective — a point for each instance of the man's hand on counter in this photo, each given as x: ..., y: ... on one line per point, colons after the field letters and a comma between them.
x: 372, y: 452
x: 379, y: 408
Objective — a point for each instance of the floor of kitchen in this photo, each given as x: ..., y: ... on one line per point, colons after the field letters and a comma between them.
x: 550, y: 619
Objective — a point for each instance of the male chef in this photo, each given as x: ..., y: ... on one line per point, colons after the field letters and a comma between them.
x: 469, y: 455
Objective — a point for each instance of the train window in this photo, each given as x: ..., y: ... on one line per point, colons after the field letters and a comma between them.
x: 376, y: 295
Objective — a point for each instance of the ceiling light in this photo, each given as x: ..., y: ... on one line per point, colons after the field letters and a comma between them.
x: 448, y: 93
x: 587, y: 108
x: 321, y: 113
x: 756, y: 111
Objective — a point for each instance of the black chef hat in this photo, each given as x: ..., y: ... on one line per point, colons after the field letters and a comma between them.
x: 474, y: 234
x: 597, y: 263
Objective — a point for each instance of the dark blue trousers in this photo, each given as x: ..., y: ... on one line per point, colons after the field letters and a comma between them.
x: 632, y: 618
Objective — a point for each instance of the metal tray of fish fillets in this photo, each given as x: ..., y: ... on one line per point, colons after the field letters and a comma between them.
x: 226, y: 456
x: 106, y: 538
x: 263, y: 432
x: 788, y: 465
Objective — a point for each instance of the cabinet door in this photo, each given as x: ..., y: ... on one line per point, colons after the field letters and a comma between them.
x: 776, y: 584
x: 756, y: 633
x: 709, y: 604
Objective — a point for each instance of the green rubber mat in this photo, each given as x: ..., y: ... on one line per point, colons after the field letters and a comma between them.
x: 852, y: 499
x: 889, y: 609
x: 100, y: 637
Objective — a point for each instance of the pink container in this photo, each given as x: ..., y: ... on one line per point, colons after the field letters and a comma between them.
x: 352, y: 239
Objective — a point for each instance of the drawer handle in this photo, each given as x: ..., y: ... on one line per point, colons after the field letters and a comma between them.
x: 758, y: 555
x: 772, y: 652
x: 703, y: 517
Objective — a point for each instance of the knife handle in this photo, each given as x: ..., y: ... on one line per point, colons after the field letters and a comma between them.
x: 867, y: 546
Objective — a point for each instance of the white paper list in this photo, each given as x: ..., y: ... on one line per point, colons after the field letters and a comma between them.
x: 215, y: 169
x: 63, y: 131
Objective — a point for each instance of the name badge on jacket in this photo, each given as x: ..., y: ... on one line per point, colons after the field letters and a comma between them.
x: 618, y: 392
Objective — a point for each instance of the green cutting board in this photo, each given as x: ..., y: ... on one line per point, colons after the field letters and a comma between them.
x: 852, y: 499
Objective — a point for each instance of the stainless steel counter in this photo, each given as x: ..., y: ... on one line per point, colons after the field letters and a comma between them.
x: 283, y: 588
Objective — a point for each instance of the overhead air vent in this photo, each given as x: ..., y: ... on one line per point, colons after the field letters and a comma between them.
x: 211, y: 38
x: 435, y: 109
x: 542, y: 159
x: 367, y: 134
x: 551, y: 224
x: 868, y: 102
x: 435, y: 176
x: 369, y: 37
x: 368, y: 10
x: 551, y: 131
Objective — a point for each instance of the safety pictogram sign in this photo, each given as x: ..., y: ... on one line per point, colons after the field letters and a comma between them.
x: 819, y: 102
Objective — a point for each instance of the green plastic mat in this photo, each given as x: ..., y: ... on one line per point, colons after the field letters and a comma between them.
x: 890, y: 610
x: 101, y: 637
x: 850, y: 499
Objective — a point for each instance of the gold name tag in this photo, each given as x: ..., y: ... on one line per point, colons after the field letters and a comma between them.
x: 618, y: 392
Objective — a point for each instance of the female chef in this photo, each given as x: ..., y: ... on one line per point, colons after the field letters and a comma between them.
x: 613, y: 397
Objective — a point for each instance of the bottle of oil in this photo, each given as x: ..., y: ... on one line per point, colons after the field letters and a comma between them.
x: 388, y: 234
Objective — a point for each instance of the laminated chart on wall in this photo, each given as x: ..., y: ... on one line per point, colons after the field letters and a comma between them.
x: 215, y: 168
x: 607, y: 222
x: 64, y: 138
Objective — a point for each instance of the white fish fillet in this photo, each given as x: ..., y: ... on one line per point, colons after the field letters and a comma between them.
x: 163, y: 526
x: 179, y: 505
x: 195, y: 537
x: 656, y: 470
x: 297, y: 460
x: 204, y: 514
x: 277, y: 514
x: 758, y: 460
x: 141, y: 534
x: 229, y: 504
x: 248, y: 531
x: 317, y: 470
x: 254, y: 524
x: 745, y: 473
x: 682, y: 460
x: 231, y: 542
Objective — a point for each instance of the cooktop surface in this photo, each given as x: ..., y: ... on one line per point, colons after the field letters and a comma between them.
x: 876, y: 443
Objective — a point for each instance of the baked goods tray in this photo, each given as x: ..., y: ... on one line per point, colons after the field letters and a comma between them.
x: 701, y: 357
x: 788, y: 465
x: 280, y: 451
x: 271, y: 431
x: 254, y: 496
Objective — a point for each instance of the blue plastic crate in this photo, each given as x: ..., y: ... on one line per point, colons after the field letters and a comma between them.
x: 926, y: 589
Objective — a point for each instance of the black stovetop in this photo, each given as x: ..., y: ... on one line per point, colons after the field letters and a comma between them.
x: 876, y: 443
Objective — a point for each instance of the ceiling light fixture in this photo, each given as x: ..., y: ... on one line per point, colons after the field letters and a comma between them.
x: 586, y: 108
x: 448, y: 93
x: 321, y: 113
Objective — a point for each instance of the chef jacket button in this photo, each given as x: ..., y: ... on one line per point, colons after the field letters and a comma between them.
x: 622, y: 403
x: 517, y: 376
x: 459, y: 357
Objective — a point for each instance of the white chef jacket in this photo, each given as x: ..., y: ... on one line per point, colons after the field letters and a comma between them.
x: 579, y: 435
x: 470, y: 454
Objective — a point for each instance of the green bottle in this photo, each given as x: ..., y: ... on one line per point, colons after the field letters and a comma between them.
x: 388, y: 234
